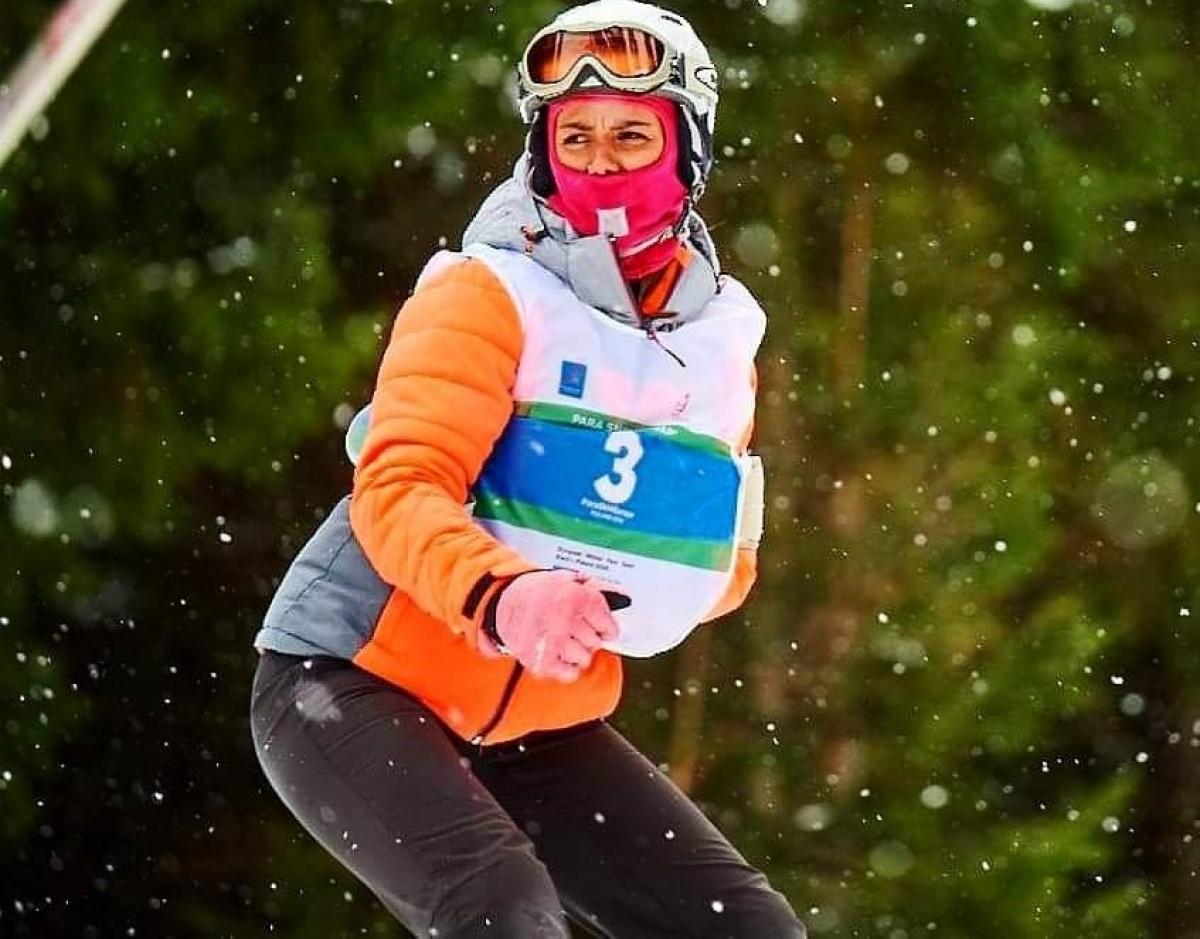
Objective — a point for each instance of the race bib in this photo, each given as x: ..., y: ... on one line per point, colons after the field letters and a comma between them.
x: 653, y: 510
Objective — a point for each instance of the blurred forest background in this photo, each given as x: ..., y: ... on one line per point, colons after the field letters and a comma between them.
x: 965, y: 699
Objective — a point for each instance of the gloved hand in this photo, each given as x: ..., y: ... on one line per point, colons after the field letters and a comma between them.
x: 552, y: 622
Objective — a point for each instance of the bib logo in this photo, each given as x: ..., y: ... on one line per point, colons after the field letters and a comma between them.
x: 571, y: 379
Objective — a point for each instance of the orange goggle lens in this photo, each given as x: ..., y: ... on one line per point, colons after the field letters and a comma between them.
x: 626, y: 52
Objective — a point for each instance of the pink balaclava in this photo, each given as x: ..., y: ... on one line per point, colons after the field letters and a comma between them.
x: 636, y: 206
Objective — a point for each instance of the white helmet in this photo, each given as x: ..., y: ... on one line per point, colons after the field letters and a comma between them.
x: 626, y: 46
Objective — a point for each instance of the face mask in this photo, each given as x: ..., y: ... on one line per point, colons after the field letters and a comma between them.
x: 637, y: 207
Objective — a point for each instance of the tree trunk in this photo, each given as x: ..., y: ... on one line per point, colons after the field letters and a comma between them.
x: 691, y: 672
x: 840, y: 621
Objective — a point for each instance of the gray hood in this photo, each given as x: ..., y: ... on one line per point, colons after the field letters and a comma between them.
x: 511, y: 217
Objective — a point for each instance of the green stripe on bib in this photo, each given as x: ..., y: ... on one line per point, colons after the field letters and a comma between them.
x: 716, y: 556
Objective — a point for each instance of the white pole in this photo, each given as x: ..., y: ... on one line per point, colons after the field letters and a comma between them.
x: 48, y: 63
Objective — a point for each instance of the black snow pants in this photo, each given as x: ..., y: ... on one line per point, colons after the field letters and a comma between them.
x: 503, y: 841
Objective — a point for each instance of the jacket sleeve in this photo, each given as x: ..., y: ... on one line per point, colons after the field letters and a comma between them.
x: 745, y: 570
x: 442, y: 398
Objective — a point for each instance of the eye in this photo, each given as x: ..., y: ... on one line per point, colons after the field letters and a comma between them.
x: 573, y: 140
x: 632, y: 136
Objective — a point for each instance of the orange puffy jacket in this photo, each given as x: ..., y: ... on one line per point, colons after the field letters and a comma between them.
x: 442, y: 398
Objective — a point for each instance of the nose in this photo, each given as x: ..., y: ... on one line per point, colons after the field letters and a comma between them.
x: 603, y: 161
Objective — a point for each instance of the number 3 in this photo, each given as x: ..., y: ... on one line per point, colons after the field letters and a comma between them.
x: 626, y: 446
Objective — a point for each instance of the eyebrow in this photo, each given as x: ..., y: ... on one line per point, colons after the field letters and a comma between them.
x: 621, y: 125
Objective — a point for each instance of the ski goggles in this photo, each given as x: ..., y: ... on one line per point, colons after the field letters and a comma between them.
x: 628, y: 58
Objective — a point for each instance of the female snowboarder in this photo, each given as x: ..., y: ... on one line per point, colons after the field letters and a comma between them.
x: 435, y: 674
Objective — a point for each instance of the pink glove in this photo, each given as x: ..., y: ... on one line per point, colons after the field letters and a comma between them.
x: 552, y: 622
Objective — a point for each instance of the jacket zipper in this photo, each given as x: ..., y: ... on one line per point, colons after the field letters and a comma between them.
x: 505, y: 698
x: 653, y: 337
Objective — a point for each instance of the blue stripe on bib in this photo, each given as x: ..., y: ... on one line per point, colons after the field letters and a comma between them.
x: 650, y: 482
